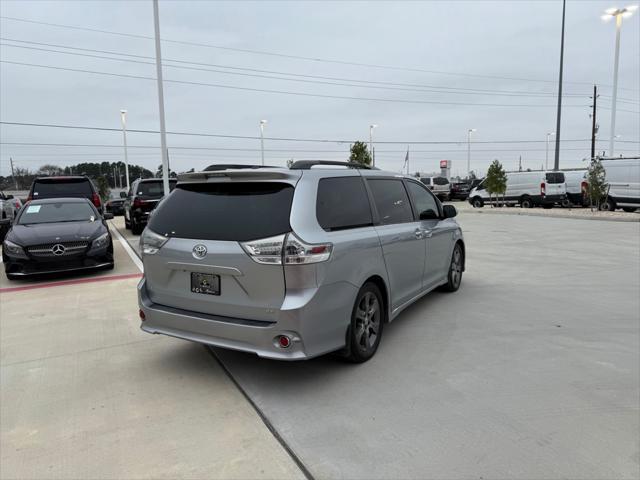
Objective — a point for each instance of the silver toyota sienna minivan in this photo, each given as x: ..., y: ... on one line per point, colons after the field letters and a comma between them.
x: 292, y: 263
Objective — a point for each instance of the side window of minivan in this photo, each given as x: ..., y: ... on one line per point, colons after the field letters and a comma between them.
x: 424, y: 201
x: 342, y: 203
x: 391, y: 201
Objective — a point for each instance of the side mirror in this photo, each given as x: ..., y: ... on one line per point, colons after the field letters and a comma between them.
x: 123, y: 194
x: 428, y: 215
x: 449, y: 211
x: 108, y: 216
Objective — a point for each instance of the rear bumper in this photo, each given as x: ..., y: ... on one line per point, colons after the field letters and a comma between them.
x: 551, y: 199
x: 316, y: 321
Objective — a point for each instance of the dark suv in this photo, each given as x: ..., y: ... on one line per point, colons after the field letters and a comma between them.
x: 142, y: 198
x: 72, y: 186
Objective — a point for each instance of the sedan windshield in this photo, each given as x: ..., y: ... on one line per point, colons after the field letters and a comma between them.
x: 57, y: 212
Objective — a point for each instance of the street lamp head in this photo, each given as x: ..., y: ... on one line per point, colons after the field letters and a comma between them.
x: 373, y: 125
x: 263, y: 122
x: 123, y: 111
x: 625, y: 12
x: 471, y: 130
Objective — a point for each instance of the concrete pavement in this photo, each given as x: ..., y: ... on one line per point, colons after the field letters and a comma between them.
x: 86, y: 394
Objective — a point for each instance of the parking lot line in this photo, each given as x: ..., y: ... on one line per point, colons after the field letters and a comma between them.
x: 132, y: 254
x: 70, y: 282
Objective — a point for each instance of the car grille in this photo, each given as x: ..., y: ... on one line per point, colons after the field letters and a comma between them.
x: 47, y: 250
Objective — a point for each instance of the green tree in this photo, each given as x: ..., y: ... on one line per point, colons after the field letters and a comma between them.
x: 496, y: 180
x: 597, y: 188
x: 103, y: 188
x: 48, y: 170
x: 360, y: 153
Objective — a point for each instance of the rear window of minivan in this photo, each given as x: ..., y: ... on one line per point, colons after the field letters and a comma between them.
x: 555, y: 177
x: 225, y: 211
x: 71, y: 187
x: 153, y: 188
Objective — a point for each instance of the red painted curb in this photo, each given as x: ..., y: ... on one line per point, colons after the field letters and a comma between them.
x: 71, y: 282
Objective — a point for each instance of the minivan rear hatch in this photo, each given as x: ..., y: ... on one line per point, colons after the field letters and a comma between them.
x: 202, y: 267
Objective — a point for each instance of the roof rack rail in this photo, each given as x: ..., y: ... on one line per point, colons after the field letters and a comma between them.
x: 307, y: 164
x: 232, y: 166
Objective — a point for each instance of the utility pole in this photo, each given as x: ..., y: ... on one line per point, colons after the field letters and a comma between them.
x: 556, y: 164
x: 163, y: 130
x: 15, y: 182
x: 593, y: 123
x: 520, y: 164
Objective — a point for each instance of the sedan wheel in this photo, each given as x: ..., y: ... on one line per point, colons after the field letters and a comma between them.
x: 366, y: 326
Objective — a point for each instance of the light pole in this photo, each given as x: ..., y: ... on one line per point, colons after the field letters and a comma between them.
x: 163, y: 130
x: 373, y: 157
x: 546, y: 163
x: 262, y: 124
x: 469, y: 132
x: 123, y: 118
x: 618, y: 14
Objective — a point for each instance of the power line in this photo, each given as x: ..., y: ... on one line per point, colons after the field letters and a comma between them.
x: 246, y: 137
x: 286, y: 92
x: 293, y: 57
x: 369, y: 83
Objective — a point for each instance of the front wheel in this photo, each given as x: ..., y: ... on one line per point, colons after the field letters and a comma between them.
x: 367, y: 320
x: 526, y: 202
x: 454, y: 277
x: 477, y: 202
x: 608, y: 204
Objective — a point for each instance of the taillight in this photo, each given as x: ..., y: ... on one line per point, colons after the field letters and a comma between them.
x: 95, y: 199
x: 584, y: 186
x: 137, y: 203
x: 542, y: 188
x: 286, y: 249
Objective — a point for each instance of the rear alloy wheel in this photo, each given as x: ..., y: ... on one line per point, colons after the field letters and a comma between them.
x: 367, y: 320
x: 477, y: 202
x: 526, y: 202
x: 454, y: 277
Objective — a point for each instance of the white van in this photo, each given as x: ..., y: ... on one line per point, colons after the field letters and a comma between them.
x: 577, y: 186
x: 527, y: 189
x: 623, y: 177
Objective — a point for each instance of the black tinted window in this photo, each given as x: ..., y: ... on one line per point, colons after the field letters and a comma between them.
x: 391, y: 201
x: 424, y: 202
x: 342, y: 203
x: 555, y: 177
x: 440, y: 181
x: 153, y: 189
x: 61, y: 188
x: 225, y: 211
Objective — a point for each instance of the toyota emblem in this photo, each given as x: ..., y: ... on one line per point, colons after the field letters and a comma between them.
x: 199, y: 251
x: 58, y: 249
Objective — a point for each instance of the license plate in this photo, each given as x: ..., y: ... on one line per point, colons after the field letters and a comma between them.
x: 206, y: 283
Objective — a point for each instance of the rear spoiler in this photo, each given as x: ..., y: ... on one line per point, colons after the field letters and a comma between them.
x: 228, y: 175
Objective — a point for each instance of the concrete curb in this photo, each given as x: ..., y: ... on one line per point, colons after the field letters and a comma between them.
x: 534, y: 214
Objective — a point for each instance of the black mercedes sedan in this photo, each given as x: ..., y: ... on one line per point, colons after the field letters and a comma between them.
x: 57, y: 235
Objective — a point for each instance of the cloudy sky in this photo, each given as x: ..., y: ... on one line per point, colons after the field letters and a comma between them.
x: 423, y: 71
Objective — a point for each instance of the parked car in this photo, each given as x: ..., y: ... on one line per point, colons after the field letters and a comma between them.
x: 440, y: 186
x: 57, y: 235
x: 528, y: 189
x: 460, y: 190
x: 141, y: 199
x: 577, y: 187
x: 116, y: 205
x: 9, y: 206
x: 294, y: 263
x: 70, y: 186
x: 623, y: 177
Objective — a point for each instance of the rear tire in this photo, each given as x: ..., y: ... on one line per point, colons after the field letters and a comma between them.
x: 566, y: 203
x: 454, y: 277
x: 367, y: 321
x: 608, y: 204
x: 526, y: 202
x: 629, y: 209
x: 136, y: 228
x: 477, y: 202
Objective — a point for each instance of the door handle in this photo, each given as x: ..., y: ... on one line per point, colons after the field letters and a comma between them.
x: 427, y: 233
x: 418, y: 233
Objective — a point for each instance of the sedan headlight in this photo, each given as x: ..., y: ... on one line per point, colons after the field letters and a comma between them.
x: 13, y: 249
x: 150, y: 242
x: 101, y: 242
